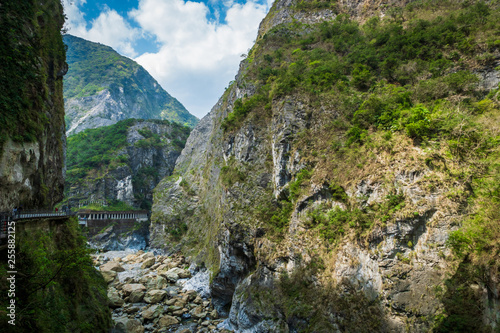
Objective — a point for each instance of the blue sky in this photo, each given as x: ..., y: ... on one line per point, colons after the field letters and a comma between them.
x: 192, y: 48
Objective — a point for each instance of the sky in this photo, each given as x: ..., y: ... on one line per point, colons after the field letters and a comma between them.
x: 192, y: 48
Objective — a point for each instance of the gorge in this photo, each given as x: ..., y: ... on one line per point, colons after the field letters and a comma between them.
x: 346, y: 181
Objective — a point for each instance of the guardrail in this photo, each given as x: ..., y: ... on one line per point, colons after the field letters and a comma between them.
x: 6, y: 217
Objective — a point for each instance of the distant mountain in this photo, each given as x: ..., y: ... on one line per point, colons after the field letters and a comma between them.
x: 103, y: 87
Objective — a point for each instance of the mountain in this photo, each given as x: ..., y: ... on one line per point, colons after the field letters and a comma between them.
x: 347, y: 181
x: 103, y: 87
x: 122, y: 163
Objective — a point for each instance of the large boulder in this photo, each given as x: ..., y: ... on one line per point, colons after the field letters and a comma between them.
x: 158, y: 282
x: 136, y: 296
x: 114, y: 299
x: 198, y: 312
x: 154, y: 296
x: 152, y: 312
x: 175, y: 274
x: 131, y: 287
x: 166, y: 321
x: 146, y: 255
x: 108, y: 276
x: 127, y: 325
x: 148, y: 263
x: 112, y: 266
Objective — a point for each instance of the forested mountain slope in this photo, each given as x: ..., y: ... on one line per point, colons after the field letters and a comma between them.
x: 348, y: 179
x: 121, y: 164
x: 103, y: 87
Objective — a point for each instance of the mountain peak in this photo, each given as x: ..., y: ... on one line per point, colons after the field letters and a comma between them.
x: 102, y: 87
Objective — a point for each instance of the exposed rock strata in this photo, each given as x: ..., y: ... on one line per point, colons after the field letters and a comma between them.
x: 228, y: 181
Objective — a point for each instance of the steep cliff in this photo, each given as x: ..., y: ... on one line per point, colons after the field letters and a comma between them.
x: 347, y: 180
x: 103, y: 87
x: 122, y: 162
x: 32, y: 135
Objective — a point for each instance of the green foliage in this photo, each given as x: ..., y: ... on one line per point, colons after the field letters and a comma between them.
x: 178, y: 231
x: 332, y: 224
x: 59, y: 290
x: 113, y: 206
x: 338, y: 193
x: 310, y: 5
x: 297, y: 299
x: 462, y: 304
x: 294, y: 187
x: 94, y: 148
x: 241, y: 110
x: 31, y: 54
x: 231, y: 174
x: 281, y: 217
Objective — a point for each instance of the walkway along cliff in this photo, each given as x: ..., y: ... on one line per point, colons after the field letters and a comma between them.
x: 346, y: 180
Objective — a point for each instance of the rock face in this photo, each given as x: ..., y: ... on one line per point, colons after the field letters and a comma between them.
x: 32, y: 139
x: 102, y: 88
x: 301, y: 209
x: 146, y: 153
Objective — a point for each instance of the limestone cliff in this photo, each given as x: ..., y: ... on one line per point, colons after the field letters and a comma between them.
x: 32, y: 138
x: 123, y: 162
x: 347, y: 180
x: 103, y: 87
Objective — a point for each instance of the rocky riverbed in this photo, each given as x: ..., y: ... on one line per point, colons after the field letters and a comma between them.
x: 157, y: 293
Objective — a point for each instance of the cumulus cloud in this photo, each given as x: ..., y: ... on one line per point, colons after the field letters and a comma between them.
x: 109, y: 28
x: 197, y: 57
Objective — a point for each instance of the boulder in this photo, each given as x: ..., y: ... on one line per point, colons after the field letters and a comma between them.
x: 130, y: 287
x: 112, y: 266
x: 126, y: 325
x: 162, y: 269
x: 146, y: 255
x: 157, y: 282
x: 192, y: 294
x: 114, y: 299
x: 152, y: 312
x: 172, y: 291
x: 130, y: 257
x: 170, y: 276
x: 108, y: 276
x: 148, y: 263
x: 136, y: 296
x: 182, y: 273
x: 198, y: 312
x: 167, y: 320
x: 154, y: 296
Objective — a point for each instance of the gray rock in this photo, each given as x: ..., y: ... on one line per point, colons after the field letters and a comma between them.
x: 114, y: 299
x: 166, y: 321
x: 112, y: 266
x: 154, y: 296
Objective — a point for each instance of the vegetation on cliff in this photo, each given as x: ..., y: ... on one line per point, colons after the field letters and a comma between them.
x: 57, y: 287
x: 381, y: 139
x: 31, y: 52
x: 413, y: 76
x: 94, y: 153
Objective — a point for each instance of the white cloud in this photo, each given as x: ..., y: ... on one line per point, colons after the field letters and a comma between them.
x: 109, y: 28
x: 197, y: 57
